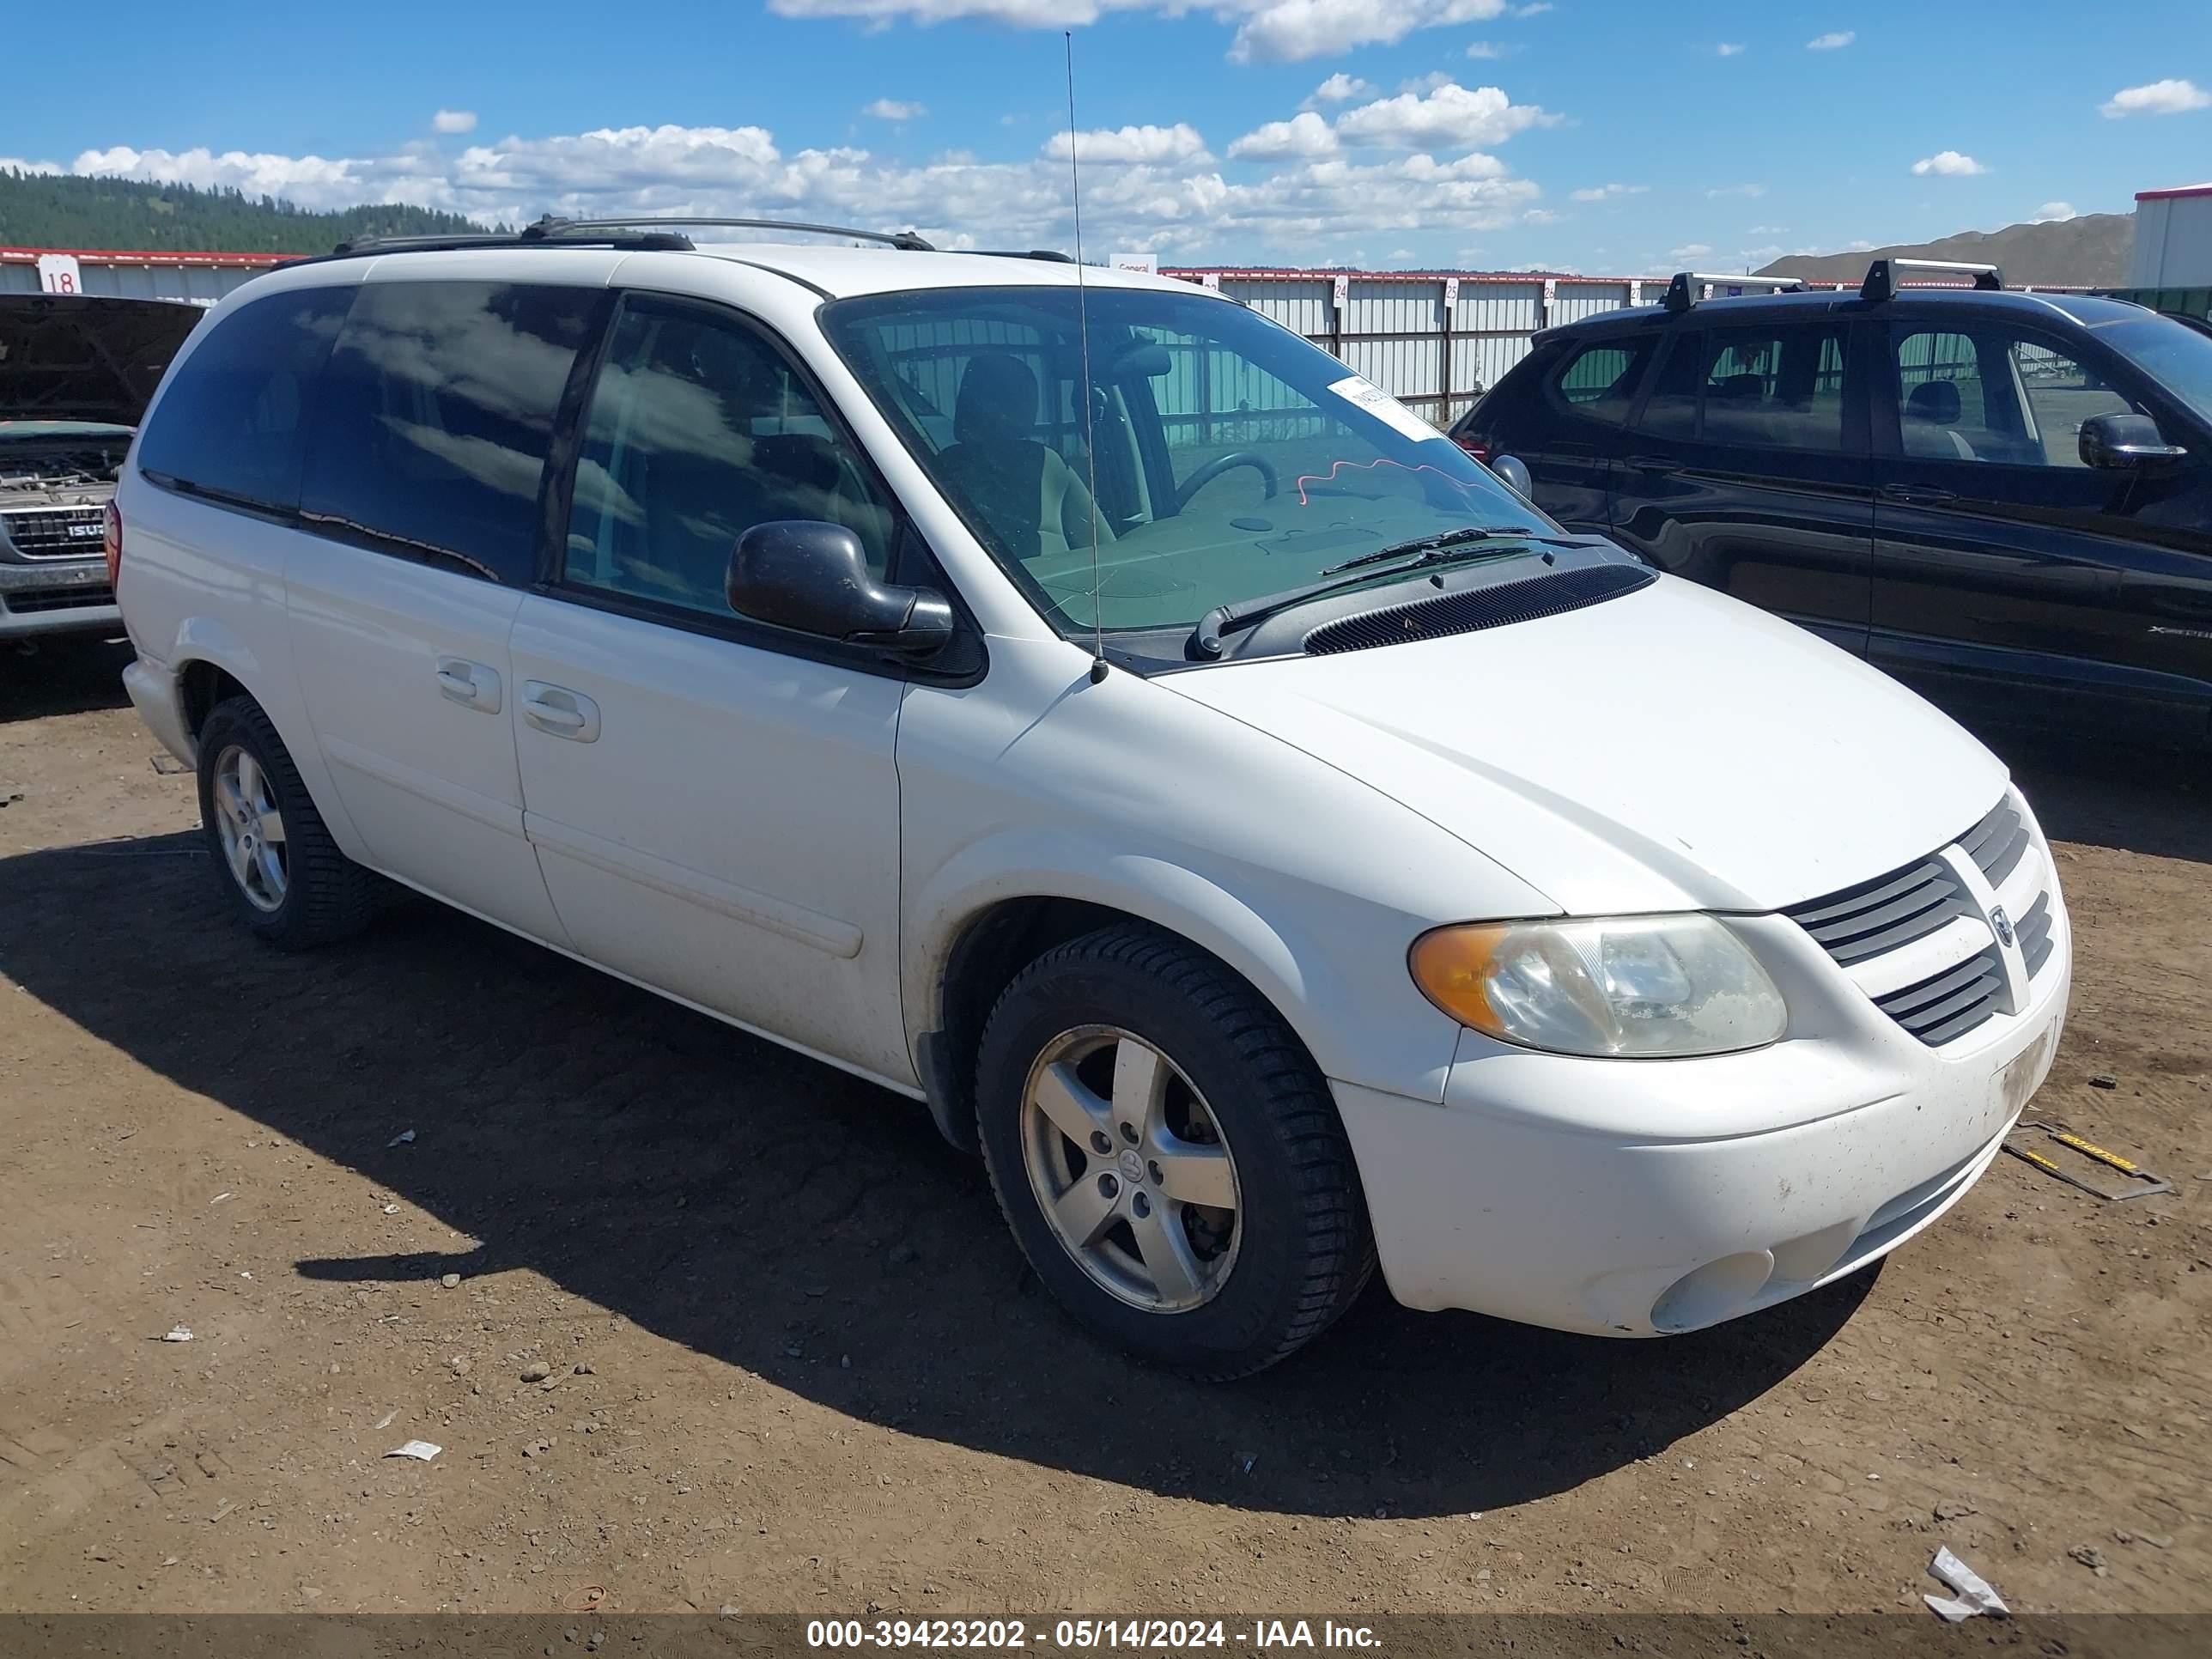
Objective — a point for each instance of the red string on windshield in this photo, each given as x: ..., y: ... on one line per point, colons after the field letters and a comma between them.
x: 1304, y: 478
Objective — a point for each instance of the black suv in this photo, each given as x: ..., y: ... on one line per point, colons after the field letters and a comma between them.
x: 1995, y: 495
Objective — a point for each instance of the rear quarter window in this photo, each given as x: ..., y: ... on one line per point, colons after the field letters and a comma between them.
x: 1598, y: 381
x: 230, y: 424
x: 436, y: 417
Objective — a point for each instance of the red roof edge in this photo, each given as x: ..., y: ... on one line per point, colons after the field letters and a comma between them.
x: 2174, y: 194
x: 153, y: 256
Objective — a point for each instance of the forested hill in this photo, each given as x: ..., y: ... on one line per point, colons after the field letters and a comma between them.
x: 69, y: 210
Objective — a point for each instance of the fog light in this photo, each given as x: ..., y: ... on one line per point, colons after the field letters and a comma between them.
x: 1717, y: 1291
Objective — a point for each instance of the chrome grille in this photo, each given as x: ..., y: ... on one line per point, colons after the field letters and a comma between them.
x: 1997, y: 842
x: 2034, y: 932
x: 1870, y: 930
x: 1882, y: 913
x: 1949, y: 1004
x: 55, y: 532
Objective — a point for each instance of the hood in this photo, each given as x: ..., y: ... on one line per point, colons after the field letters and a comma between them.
x: 1673, y: 749
x: 69, y: 357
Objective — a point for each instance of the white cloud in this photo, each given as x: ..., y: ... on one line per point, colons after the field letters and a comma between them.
x: 1450, y: 117
x: 1304, y: 134
x: 1540, y: 216
x: 1151, y: 146
x: 1422, y: 85
x: 454, y: 120
x: 1949, y: 164
x: 1304, y: 210
x: 1834, y: 41
x: 1536, y: 11
x: 1689, y: 250
x: 1730, y: 49
x: 2157, y: 98
x: 2052, y: 213
x: 892, y: 109
x: 1766, y: 230
x: 1607, y: 192
x: 1485, y: 49
x: 1719, y: 190
x: 1340, y: 88
x: 1267, y: 31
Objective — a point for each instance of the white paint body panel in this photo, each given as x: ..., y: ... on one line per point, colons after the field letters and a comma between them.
x: 797, y: 848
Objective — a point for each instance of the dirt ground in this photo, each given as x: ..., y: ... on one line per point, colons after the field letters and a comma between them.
x: 791, y: 1362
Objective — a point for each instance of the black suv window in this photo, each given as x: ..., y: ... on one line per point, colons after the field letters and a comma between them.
x: 1599, y: 381
x: 228, y: 426
x: 1990, y: 393
x: 1777, y: 385
x: 434, y: 417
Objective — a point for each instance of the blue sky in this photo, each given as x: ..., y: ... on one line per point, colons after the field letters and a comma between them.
x: 1586, y: 134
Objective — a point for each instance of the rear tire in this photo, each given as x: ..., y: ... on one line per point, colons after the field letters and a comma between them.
x: 1168, y: 1155
x: 284, y: 875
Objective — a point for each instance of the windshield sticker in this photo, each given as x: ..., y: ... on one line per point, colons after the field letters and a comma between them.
x: 1357, y: 389
x: 1471, y: 485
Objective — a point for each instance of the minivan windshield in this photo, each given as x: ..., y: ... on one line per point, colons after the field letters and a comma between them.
x: 1232, y: 459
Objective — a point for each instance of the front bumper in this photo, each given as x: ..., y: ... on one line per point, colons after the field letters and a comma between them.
x: 57, y: 596
x: 1644, y: 1198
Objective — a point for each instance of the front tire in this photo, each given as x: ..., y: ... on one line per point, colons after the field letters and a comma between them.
x: 284, y: 875
x: 1168, y: 1155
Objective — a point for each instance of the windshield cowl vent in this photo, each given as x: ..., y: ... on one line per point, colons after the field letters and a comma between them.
x: 1475, y: 609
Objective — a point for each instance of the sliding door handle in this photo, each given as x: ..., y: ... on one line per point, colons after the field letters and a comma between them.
x: 1914, y: 496
x: 560, y: 713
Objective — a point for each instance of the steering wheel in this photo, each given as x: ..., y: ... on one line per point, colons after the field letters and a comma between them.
x: 1220, y: 464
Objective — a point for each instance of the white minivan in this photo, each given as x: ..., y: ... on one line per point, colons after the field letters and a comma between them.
x: 1073, y: 701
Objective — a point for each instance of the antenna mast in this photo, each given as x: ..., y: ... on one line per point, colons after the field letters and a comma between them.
x: 1083, y: 334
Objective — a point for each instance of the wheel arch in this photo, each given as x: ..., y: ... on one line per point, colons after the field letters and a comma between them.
x: 979, y: 939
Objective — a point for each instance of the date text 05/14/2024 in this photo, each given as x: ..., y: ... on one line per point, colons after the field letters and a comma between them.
x: 1088, y: 1635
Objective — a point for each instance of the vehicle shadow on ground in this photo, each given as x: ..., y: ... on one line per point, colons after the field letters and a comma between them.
x: 65, y: 676
x: 2138, y: 800
x: 776, y: 1215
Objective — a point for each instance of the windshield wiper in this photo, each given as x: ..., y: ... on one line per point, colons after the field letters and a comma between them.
x: 1448, y: 547
x: 1433, y: 544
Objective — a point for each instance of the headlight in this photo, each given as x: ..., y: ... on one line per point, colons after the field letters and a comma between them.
x: 1629, y: 988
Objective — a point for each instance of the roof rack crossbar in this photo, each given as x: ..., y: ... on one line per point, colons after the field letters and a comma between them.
x: 550, y: 228
x: 1688, y: 286
x: 1882, y: 277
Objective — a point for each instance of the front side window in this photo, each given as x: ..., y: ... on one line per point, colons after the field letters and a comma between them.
x: 1599, y: 381
x: 436, y: 417
x: 229, y: 425
x: 698, y: 431
x: 1990, y: 394
x: 2177, y: 356
x: 1771, y: 387
x: 1232, y: 459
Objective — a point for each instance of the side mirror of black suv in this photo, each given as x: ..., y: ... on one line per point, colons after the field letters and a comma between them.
x: 2124, y: 441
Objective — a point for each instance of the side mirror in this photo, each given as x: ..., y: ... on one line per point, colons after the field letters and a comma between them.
x: 813, y: 578
x: 1515, y: 471
x: 2124, y: 441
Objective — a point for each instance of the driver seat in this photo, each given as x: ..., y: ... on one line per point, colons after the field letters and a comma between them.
x: 1031, y: 497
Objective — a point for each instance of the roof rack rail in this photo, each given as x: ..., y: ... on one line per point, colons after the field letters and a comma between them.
x: 1052, y: 254
x: 1688, y: 286
x: 358, y: 246
x: 1882, y: 277
x: 550, y: 228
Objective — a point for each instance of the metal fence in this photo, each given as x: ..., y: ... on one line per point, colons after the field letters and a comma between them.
x: 1434, y: 342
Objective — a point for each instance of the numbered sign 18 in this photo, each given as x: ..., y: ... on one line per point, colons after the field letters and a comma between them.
x: 58, y: 274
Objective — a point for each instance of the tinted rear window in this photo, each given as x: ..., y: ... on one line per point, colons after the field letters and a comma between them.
x: 229, y: 424
x: 435, y: 416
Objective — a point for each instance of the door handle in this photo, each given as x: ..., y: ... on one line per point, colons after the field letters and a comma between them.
x: 560, y: 713
x: 1914, y: 496
x: 1648, y: 464
x: 471, y: 685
